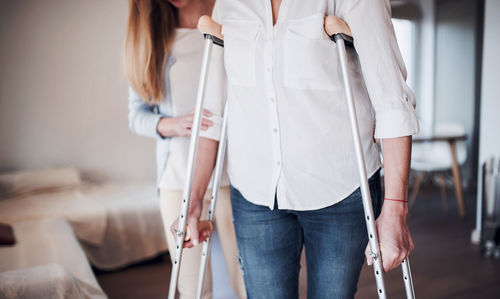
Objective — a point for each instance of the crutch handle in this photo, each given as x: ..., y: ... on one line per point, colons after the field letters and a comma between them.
x: 204, y: 225
x: 207, y: 25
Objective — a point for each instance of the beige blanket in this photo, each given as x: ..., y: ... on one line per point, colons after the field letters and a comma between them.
x: 134, y: 229
x: 46, y: 262
x: 88, y: 218
x: 117, y: 224
x: 49, y: 281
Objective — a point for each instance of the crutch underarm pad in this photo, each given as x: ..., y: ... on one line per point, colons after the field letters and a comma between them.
x: 207, y: 25
x: 336, y: 28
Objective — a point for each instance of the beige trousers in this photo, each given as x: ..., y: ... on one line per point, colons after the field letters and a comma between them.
x: 170, y: 202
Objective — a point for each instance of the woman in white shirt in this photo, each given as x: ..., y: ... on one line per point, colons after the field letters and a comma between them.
x: 291, y: 162
x: 163, y: 55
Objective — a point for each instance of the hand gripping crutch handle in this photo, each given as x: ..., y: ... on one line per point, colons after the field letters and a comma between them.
x: 204, y: 225
x: 340, y: 33
x: 211, y: 31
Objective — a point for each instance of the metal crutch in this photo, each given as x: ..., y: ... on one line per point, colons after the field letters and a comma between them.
x: 340, y: 33
x: 219, y: 168
x: 211, y: 31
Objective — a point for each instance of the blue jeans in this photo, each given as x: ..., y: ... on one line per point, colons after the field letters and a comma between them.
x: 270, y: 244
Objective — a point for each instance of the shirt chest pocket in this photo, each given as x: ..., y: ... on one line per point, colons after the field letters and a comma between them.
x: 309, y: 56
x: 240, y: 45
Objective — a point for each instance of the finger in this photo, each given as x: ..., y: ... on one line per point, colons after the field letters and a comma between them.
x: 390, y: 261
x: 187, y: 238
x: 188, y: 130
x: 205, y: 234
x: 412, y: 246
x: 405, y: 254
x: 387, y: 257
x: 207, y: 122
x: 195, y: 233
x: 386, y: 266
x: 207, y: 113
x: 369, y: 259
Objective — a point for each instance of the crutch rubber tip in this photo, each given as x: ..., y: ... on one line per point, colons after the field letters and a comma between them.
x: 207, y: 25
x: 202, y: 226
x: 334, y: 25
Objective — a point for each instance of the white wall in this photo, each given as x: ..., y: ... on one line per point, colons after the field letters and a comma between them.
x: 489, y: 141
x: 489, y: 136
x: 455, y: 72
x: 425, y: 63
x: 63, y: 98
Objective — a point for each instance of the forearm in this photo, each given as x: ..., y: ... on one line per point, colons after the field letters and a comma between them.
x: 397, y: 156
x: 205, y: 162
x: 394, y: 235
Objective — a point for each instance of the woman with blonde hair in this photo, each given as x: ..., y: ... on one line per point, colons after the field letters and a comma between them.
x: 162, y: 58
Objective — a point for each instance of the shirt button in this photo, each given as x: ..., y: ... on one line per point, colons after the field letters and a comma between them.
x: 278, y: 163
x: 275, y: 130
x: 272, y: 100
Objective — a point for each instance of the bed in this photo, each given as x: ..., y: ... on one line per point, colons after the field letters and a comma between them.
x: 46, y: 262
x: 117, y: 224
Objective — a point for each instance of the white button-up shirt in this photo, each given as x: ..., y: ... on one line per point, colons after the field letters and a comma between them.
x: 289, y: 133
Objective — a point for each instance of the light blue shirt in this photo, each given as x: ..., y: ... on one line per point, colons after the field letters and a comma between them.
x: 143, y: 119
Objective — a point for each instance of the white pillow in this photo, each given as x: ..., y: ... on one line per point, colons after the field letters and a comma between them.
x: 14, y: 184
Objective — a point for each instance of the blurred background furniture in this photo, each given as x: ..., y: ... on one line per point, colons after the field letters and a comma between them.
x: 117, y: 224
x: 46, y: 262
x: 63, y: 225
x: 490, y: 208
x: 435, y: 154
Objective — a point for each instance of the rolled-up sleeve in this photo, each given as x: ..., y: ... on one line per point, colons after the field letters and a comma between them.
x: 215, y: 93
x: 382, y: 65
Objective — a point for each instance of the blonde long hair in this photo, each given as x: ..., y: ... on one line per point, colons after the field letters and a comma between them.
x: 150, y: 34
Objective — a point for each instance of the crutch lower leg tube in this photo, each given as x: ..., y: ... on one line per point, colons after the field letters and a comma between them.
x: 206, y: 26
x: 219, y: 168
x: 340, y: 33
